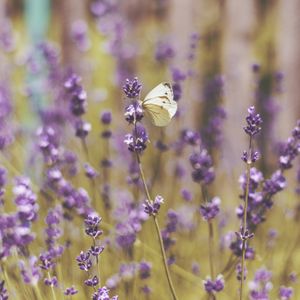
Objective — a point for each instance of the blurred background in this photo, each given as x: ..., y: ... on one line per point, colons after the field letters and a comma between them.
x: 221, y: 56
x: 251, y: 46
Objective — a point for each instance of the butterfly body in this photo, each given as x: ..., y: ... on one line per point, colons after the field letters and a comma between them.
x: 159, y: 104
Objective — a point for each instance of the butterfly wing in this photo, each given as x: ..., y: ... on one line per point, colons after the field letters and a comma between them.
x: 158, y: 116
x: 159, y: 104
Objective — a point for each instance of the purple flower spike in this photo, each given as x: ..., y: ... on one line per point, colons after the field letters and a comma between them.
x: 152, y: 208
x: 103, y: 294
x: 96, y: 250
x: 137, y: 142
x: 106, y: 117
x: 211, y: 209
x: 134, y: 113
x: 70, y: 291
x: 92, y: 281
x: 82, y: 129
x: 285, y: 293
x: 3, y: 291
x: 51, y: 281
x: 144, y: 270
x: 203, y: 167
x: 253, y: 122
x: 215, y: 286
x: 132, y: 88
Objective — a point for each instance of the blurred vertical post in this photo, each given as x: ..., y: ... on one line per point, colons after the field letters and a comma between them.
x: 289, y: 64
x: 70, y: 12
x: 184, y: 20
x: 37, y: 14
x: 239, y: 24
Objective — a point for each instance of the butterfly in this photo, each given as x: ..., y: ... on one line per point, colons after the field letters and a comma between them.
x: 159, y: 104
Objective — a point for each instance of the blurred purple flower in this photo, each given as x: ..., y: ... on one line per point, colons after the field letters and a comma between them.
x: 286, y: 293
x: 211, y: 209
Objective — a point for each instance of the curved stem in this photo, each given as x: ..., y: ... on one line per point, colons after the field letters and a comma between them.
x: 163, y: 253
x: 52, y: 288
x: 161, y: 244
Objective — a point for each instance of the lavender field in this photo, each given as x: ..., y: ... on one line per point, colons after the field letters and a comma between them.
x: 149, y: 150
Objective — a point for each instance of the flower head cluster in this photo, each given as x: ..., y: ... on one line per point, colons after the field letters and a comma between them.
x: 152, y: 207
x: 78, y: 104
x: 253, y: 122
x: 132, y: 88
x: 213, y: 135
x: 291, y: 149
x: 85, y: 259
x: 134, y: 113
x: 170, y: 227
x: 190, y: 137
x: 77, y: 95
x: 178, y: 76
x: 164, y: 51
x: 214, y: 286
x: 103, y: 294
x: 3, y: 291
x: 70, y: 291
x: 137, y: 141
x: 53, y: 231
x: 285, y: 293
x: 51, y: 281
x: 92, y: 223
x: 261, y: 286
x: 79, y: 35
x: 203, y: 170
x: 30, y: 271
x: 211, y: 209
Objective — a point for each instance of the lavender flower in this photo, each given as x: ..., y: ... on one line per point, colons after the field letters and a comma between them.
x: 134, y: 113
x: 203, y: 170
x: 285, y: 293
x: 51, y: 281
x: 82, y: 129
x: 30, y: 272
x: 152, y: 208
x: 253, y: 122
x: 106, y: 117
x: 261, y: 286
x: 79, y: 35
x: 211, y: 209
x: 92, y: 222
x: 103, y: 294
x: 70, y: 291
x: 214, y: 286
x: 92, y: 281
x: 132, y: 88
x: 291, y: 149
x: 3, y: 291
x: 144, y: 269
x: 84, y: 261
x: 137, y: 142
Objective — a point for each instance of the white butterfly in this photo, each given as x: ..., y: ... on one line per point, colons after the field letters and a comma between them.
x: 159, y: 104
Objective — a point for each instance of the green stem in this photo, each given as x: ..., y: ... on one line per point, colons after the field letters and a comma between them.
x: 211, y: 248
x: 245, y: 219
x: 163, y: 253
x: 52, y: 288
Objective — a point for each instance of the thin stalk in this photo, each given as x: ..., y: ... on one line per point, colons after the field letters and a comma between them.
x: 244, y: 228
x: 163, y: 253
x: 52, y: 288
x: 37, y: 290
x: 98, y: 264
x: 211, y: 248
x: 85, y: 149
x: 210, y: 242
